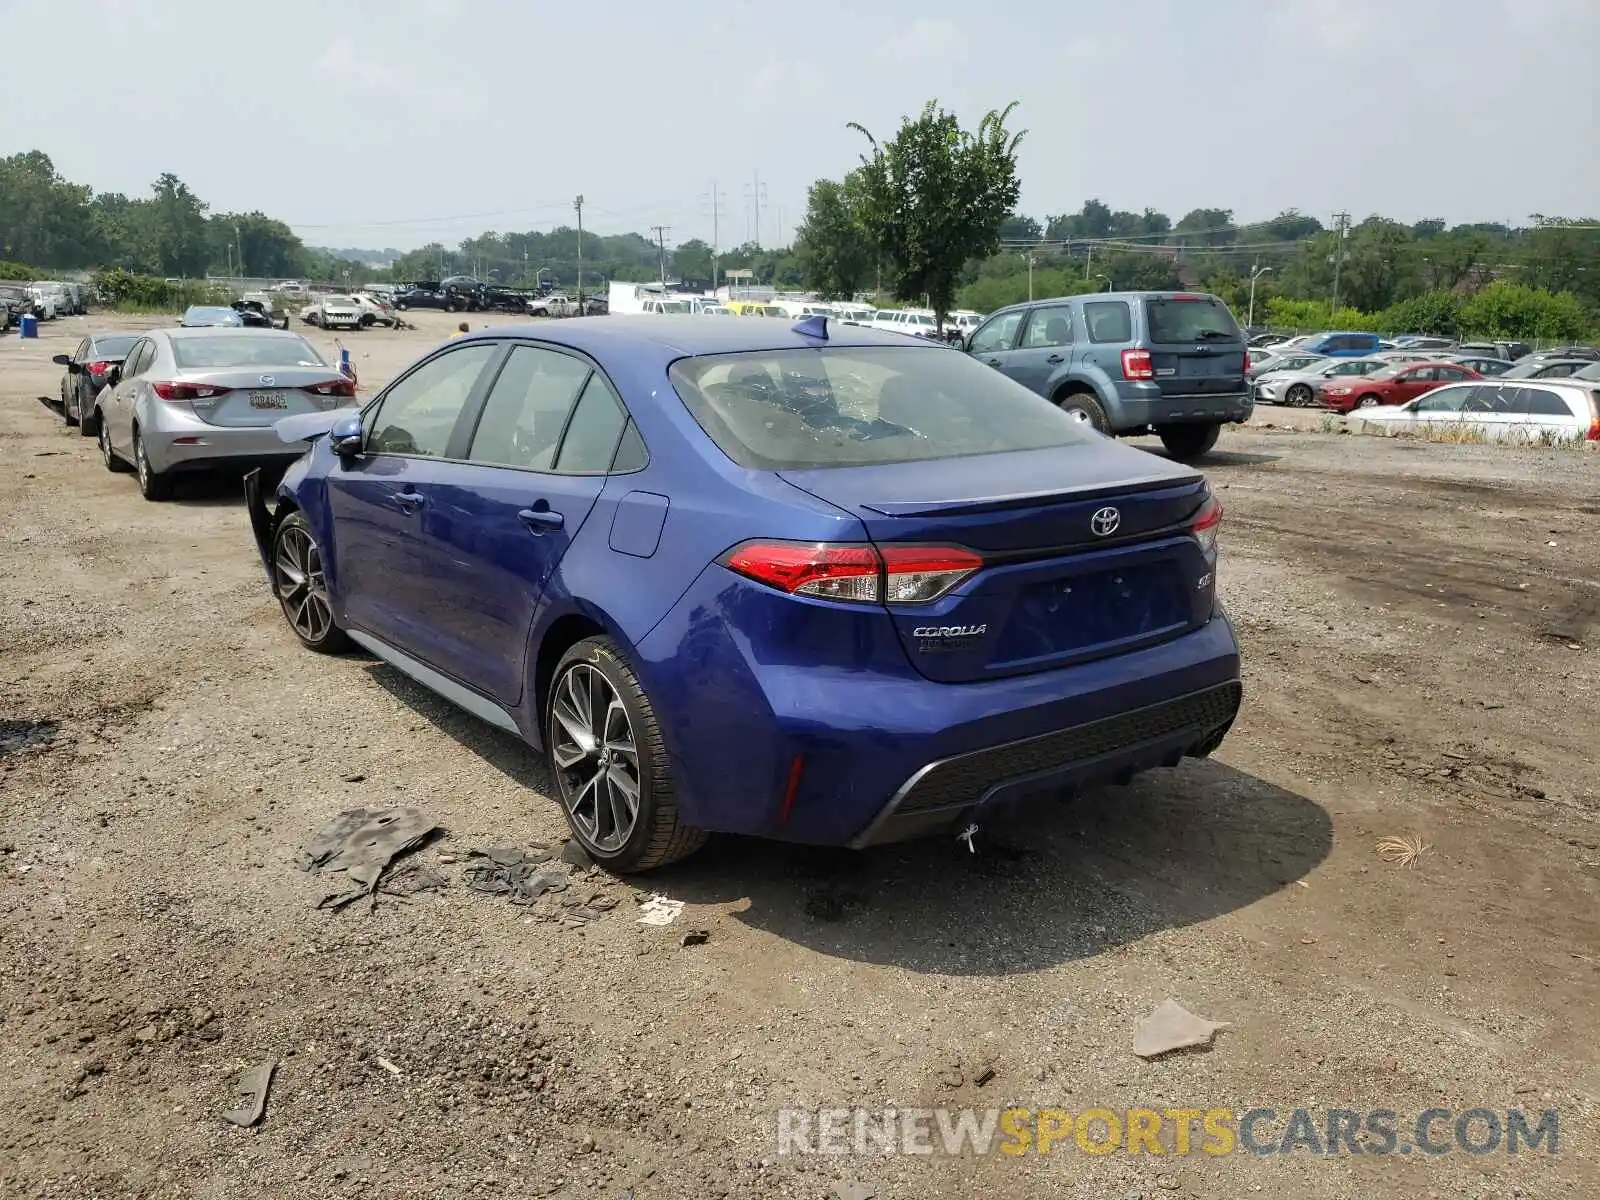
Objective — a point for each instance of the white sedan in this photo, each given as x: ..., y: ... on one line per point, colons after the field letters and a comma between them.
x: 1543, y: 411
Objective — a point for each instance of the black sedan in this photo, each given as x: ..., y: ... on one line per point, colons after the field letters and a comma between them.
x: 86, y: 371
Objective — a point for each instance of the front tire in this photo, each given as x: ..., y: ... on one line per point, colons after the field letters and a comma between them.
x: 152, y: 485
x: 1370, y: 400
x: 613, y: 777
x: 301, y: 587
x: 1298, y: 396
x: 1188, y: 443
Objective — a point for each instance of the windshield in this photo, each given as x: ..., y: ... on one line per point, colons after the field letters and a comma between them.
x: 244, y: 350
x: 1389, y: 372
x: 214, y: 316
x: 780, y: 409
x: 1189, y: 319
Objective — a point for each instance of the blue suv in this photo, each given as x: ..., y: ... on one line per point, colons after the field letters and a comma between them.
x: 1128, y: 363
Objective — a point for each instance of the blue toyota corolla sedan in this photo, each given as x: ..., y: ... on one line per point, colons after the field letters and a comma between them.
x: 810, y: 582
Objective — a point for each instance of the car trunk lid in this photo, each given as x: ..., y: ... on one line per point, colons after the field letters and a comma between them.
x: 1087, y: 551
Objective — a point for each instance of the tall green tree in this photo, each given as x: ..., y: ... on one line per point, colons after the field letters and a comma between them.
x: 934, y: 196
x: 835, y: 253
x: 178, y: 227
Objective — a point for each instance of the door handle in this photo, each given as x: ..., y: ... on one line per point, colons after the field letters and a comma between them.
x: 993, y: 362
x: 1054, y: 358
x: 540, y: 519
x: 409, y: 501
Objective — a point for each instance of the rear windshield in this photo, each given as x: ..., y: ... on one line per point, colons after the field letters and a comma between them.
x: 779, y: 409
x: 245, y: 350
x: 1203, y: 318
x: 115, y: 344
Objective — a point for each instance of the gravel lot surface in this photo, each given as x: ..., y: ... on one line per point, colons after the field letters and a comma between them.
x: 1420, y: 626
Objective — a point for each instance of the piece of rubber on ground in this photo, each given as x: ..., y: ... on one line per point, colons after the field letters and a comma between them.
x: 253, y: 1087
x: 362, y: 844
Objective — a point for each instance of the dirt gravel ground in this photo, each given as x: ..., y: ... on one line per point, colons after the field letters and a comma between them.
x: 1419, y: 626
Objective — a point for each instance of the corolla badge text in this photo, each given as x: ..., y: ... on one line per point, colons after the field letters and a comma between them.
x: 949, y: 631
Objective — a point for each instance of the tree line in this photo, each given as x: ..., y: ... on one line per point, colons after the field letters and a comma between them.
x: 927, y: 216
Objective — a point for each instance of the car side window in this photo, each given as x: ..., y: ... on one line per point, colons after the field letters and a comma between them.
x: 1538, y: 402
x: 1447, y: 399
x: 590, y: 442
x: 140, y: 358
x: 1048, y: 326
x: 632, y: 454
x: 997, y: 336
x: 527, y: 409
x: 419, y: 412
x: 81, y: 354
x: 1108, y: 321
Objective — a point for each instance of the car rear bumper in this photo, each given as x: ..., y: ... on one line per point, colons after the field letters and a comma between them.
x: 746, y: 690
x: 211, y: 447
x: 1141, y: 405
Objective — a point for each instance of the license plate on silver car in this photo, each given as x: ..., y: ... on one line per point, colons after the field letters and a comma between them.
x: 268, y: 400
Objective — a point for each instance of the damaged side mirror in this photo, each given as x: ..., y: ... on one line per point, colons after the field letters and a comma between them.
x: 345, y: 438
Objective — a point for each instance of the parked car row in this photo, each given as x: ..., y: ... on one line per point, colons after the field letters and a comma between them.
x: 1303, y: 381
x: 44, y: 299
x: 199, y: 397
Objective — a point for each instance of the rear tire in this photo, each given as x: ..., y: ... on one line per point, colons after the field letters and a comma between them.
x: 1085, y: 407
x: 1370, y: 400
x: 604, y: 742
x: 1187, y: 443
x: 152, y: 486
x: 299, y: 584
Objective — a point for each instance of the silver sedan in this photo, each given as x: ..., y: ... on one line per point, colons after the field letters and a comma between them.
x: 205, y: 399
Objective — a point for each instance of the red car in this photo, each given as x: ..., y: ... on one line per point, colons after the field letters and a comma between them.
x: 1391, y: 385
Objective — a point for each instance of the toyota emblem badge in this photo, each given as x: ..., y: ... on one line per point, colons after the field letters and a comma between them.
x: 1105, y: 521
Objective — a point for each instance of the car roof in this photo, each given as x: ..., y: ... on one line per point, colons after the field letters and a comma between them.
x: 225, y: 331
x: 676, y: 336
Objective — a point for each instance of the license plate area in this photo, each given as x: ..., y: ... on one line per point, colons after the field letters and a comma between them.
x: 268, y: 400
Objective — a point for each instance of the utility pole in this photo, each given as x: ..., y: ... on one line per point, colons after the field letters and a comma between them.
x: 238, y: 249
x: 1089, y: 265
x: 578, y: 204
x: 1341, y: 231
x: 1030, y: 276
x: 756, y: 195
x: 661, y: 246
x: 716, y: 238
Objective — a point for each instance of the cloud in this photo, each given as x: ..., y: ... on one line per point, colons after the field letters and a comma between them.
x: 342, y: 64
x: 1332, y: 26
x: 925, y: 40
x: 781, y: 79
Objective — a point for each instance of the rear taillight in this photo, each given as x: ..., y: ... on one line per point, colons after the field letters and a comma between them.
x: 96, y: 369
x: 855, y: 572
x: 334, y: 387
x: 1594, y: 430
x: 187, y: 391
x: 917, y: 574
x: 1136, y: 364
x: 1206, y: 523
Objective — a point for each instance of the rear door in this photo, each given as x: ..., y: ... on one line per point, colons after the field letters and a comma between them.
x: 1044, y: 349
x: 389, y: 578
x: 1410, y: 384
x: 536, y: 463
x: 1195, y: 346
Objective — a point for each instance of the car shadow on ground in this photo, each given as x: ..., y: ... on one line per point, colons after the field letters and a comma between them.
x: 1054, y: 882
x: 217, y: 489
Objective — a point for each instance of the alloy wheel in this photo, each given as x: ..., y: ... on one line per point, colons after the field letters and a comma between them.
x: 141, y: 462
x: 596, y: 755
x: 1078, y: 415
x: 105, y: 445
x: 298, y: 580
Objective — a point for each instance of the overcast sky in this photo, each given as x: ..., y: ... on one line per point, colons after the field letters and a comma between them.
x: 399, y: 122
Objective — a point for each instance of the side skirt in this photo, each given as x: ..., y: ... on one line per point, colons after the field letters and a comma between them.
x: 462, y: 697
